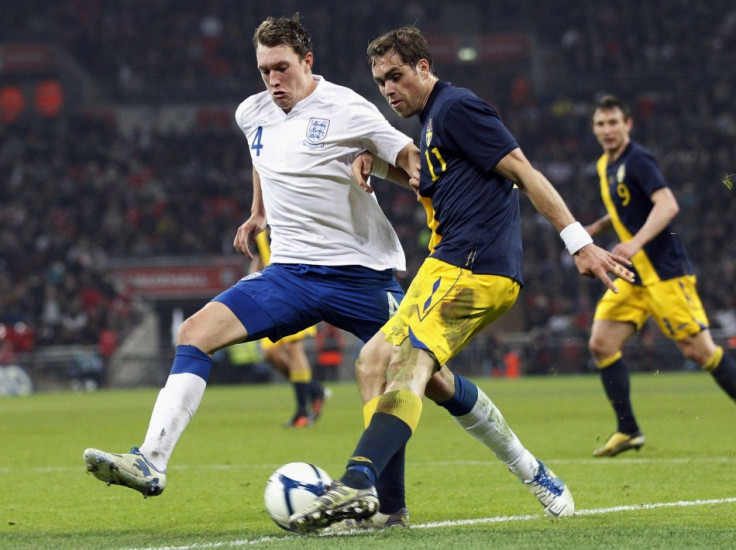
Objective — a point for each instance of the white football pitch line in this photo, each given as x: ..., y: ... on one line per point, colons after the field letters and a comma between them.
x: 456, y: 523
x: 589, y: 512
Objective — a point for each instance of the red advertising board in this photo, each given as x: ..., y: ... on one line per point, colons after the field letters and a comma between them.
x: 172, y: 279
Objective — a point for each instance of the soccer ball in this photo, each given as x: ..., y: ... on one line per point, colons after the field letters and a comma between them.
x: 293, y: 487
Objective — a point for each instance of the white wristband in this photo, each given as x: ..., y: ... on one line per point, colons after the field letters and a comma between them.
x: 575, y: 237
x: 380, y: 168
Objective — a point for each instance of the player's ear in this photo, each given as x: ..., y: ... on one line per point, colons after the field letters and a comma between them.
x: 308, y: 60
x: 423, y: 68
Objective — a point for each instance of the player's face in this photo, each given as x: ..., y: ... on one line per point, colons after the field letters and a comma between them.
x: 611, y: 129
x: 287, y: 77
x: 405, y: 88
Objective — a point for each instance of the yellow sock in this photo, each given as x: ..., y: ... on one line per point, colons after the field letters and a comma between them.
x: 608, y: 361
x: 368, y: 410
x: 714, y: 360
x: 403, y: 404
x: 304, y: 376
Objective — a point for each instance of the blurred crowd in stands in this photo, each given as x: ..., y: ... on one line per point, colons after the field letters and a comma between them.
x: 77, y: 190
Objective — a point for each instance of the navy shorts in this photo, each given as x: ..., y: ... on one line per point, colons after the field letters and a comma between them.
x: 286, y: 298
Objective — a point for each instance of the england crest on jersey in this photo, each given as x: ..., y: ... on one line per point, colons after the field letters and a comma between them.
x: 317, y: 130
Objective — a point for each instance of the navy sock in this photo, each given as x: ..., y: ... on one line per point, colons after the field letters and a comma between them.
x: 316, y: 391
x: 382, y: 439
x: 615, y: 378
x: 466, y: 394
x: 390, y: 484
x: 301, y: 389
x: 725, y: 375
x: 193, y: 360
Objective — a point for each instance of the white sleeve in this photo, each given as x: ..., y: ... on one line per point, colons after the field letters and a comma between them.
x: 240, y: 116
x: 376, y: 133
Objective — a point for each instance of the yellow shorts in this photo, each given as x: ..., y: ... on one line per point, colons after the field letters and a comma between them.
x: 674, y: 304
x: 301, y: 335
x: 446, y: 306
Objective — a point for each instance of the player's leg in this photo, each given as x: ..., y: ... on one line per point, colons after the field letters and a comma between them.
x: 318, y: 395
x: 211, y: 328
x: 605, y: 344
x: 471, y: 408
x: 679, y: 302
x: 300, y: 375
x: 280, y: 355
x: 297, y: 357
x: 315, y: 390
x: 361, y: 301
x: 370, y: 372
x: 411, y: 366
x: 273, y: 354
x: 396, y: 417
x: 234, y: 315
x: 702, y: 350
x: 617, y: 317
x: 474, y: 411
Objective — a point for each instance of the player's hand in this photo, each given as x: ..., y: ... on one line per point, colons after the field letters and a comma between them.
x: 247, y: 234
x: 592, y: 261
x: 361, y: 170
x: 627, y: 249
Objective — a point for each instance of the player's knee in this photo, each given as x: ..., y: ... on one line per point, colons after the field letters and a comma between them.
x: 697, y: 354
x: 698, y: 349
x: 599, y: 348
x: 369, y: 366
x: 187, y: 333
x: 193, y: 333
x: 375, y: 352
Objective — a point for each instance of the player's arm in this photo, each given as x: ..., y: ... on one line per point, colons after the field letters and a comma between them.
x: 247, y: 232
x: 600, y: 225
x: 405, y: 173
x: 409, y: 161
x: 591, y: 260
x: 662, y: 213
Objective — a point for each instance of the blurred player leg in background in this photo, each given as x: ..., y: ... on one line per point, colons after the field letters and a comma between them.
x: 289, y: 357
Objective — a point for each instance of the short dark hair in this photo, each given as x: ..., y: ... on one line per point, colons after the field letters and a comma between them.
x: 408, y: 42
x: 284, y: 31
x: 609, y: 101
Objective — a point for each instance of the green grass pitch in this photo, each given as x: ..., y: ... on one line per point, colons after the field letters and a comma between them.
x: 679, y: 491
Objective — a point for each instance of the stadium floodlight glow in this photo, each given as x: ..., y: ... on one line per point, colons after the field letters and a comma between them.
x: 467, y: 54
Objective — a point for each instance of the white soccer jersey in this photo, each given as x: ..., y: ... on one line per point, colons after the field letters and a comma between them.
x: 317, y: 213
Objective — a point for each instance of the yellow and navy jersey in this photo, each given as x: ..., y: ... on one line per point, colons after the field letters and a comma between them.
x: 626, y: 187
x: 472, y: 211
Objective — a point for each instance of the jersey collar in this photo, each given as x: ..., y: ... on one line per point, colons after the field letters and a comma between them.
x: 439, y: 85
